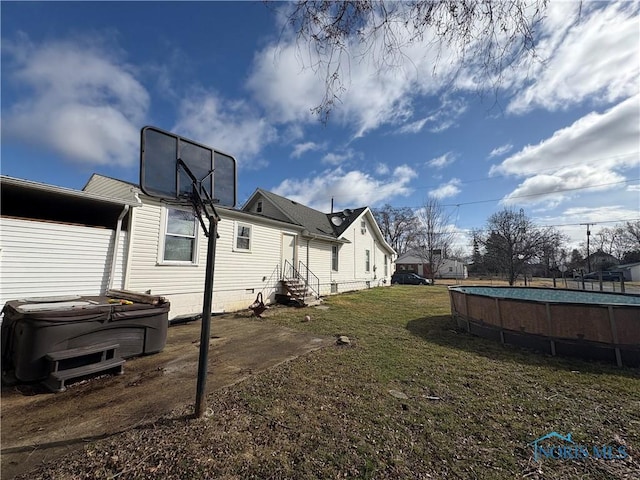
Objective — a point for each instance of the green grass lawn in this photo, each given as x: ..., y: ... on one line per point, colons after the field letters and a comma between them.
x: 472, y: 407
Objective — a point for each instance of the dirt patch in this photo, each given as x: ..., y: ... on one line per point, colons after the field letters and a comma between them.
x: 40, y: 426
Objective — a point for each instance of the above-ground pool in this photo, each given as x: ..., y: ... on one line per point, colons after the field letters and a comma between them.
x: 594, y: 325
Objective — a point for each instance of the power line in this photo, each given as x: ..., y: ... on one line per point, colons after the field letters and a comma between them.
x: 466, y: 231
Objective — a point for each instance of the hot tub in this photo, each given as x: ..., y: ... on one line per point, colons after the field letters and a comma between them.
x: 593, y: 325
x: 33, y: 328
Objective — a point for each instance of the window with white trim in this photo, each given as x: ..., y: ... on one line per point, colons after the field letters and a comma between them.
x: 180, y: 236
x: 334, y: 258
x: 243, y: 237
x: 386, y: 266
x: 367, y: 261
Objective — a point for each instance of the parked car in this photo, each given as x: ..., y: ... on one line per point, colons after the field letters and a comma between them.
x: 408, y: 278
x: 606, y: 276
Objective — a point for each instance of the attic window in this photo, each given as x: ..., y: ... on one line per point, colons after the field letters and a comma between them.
x: 259, y: 207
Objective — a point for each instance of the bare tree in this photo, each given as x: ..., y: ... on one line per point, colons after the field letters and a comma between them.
x: 435, y: 235
x: 551, y: 253
x: 490, y: 35
x: 621, y: 241
x: 512, y: 241
x: 609, y: 241
x: 398, y: 225
x: 629, y: 241
x: 631, y: 234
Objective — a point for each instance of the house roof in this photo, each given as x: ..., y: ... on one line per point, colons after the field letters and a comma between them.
x: 409, y: 257
x: 601, y: 254
x: 52, y: 190
x: 135, y: 185
x: 314, y: 221
x: 626, y: 265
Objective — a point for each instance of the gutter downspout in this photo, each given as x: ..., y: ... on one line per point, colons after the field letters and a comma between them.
x: 116, y: 243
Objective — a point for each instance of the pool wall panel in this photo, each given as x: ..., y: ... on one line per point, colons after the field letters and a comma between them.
x: 528, y: 317
x: 581, y: 322
x: 628, y: 325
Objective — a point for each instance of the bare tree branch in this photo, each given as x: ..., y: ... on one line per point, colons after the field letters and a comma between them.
x: 490, y: 35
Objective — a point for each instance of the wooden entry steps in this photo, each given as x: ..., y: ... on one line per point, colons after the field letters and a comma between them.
x: 80, y: 362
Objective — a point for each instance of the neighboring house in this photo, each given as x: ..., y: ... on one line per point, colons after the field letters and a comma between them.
x: 57, y: 241
x: 257, y: 246
x: 448, y: 268
x: 631, y: 271
x: 600, y: 261
x: 412, y: 262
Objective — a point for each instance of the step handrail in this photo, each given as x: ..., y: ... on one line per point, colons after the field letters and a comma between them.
x: 310, y: 279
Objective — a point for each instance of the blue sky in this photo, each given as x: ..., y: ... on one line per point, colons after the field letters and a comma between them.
x: 560, y: 138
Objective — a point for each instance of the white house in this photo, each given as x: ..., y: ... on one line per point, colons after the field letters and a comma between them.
x: 448, y: 268
x: 162, y: 248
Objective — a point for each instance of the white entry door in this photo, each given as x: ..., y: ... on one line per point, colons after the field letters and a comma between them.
x: 288, y: 249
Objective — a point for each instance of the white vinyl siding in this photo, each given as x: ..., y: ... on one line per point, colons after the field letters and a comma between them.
x: 239, y: 277
x: 145, y: 272
x: 41, y: 259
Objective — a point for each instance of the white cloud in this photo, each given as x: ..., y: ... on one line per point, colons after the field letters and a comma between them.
x: 338, y: 158
x: 84, y: 103
x: 232, y: 127
x: 287, y: 81
x: 444, y: 118
x: 594, y: 59
x: 501, y: 150
x: 441, y: 161
x: 595, y: 150
x: 302, y: 148
x: 449, y: 189
x: 285, y: 88
x: 553, y: 189
x: 349, y: 189
x: 382, y: 169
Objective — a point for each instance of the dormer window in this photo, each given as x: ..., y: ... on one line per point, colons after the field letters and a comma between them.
x: 259, y: 207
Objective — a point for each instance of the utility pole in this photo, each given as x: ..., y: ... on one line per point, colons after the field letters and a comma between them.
x: 588, y: 235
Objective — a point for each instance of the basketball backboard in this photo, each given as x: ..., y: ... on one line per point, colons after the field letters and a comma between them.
x: 162, y: 176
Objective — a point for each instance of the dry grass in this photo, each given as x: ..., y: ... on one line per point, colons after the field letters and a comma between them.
x: 471, y: 407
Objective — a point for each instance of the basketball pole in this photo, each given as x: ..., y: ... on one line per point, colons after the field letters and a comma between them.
x: 200, y: 206
x: 159, y: 149
x: 205, y: 330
